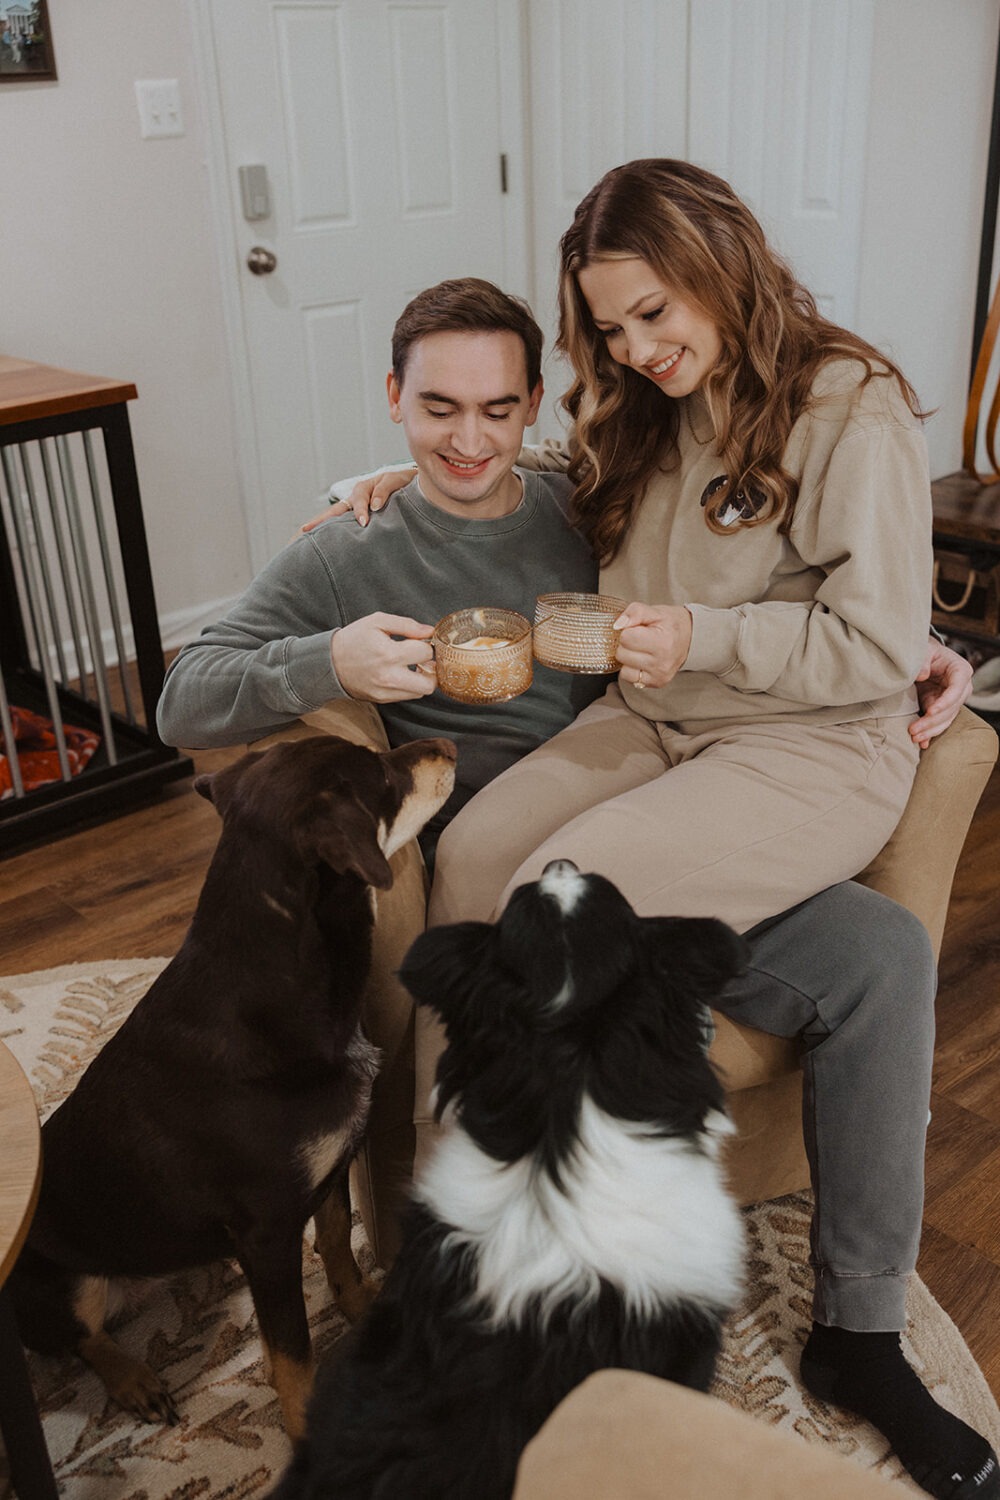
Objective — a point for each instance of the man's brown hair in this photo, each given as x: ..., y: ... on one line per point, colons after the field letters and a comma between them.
x: 467, y: 305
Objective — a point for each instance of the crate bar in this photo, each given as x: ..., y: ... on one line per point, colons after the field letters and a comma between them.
x: 124, y: 482
x: 65, y: 568
x: 7, y: 725
x: 36, y: 619
x: 109, y: 577
x: 43, y: 563
x: 65, y: 460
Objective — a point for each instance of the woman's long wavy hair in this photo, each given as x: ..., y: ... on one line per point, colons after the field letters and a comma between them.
x: 703, y: 242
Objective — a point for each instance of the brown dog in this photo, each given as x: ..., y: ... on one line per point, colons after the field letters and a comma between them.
x: 226, y: 1110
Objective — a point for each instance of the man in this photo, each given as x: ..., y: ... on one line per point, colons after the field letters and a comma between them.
x: 346, y: 612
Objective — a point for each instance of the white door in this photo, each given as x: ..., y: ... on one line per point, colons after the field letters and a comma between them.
x: 779, y: 106
x: 378, y: 128
x: 771, y: 94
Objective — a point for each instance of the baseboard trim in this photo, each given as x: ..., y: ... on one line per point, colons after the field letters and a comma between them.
x: 183, y: 625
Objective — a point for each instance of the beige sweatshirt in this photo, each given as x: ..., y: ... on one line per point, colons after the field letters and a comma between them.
x: 827, y: 624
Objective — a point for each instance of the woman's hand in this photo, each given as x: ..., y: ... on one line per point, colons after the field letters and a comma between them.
x: 369, y: 494
x: 338, y: 508
x: 944, y: 682
x: 655, y: 642
x: 384, y: 658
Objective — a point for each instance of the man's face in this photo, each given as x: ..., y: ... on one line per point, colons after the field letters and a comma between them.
x: 464, y: 405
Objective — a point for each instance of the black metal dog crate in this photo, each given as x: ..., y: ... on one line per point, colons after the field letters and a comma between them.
x: 79, y: 635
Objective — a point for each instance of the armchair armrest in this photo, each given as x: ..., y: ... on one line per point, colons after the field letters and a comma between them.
x: 625, y: 1436
x: 917, y: 865
x: 352, y: 720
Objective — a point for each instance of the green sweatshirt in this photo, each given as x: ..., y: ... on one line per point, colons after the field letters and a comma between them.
x: 269, y: 660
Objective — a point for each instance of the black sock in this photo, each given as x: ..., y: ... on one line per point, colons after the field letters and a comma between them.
x: 868, y: 1373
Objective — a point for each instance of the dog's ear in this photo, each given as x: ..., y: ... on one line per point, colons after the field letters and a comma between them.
x: 345, y: 836
x: 217, y: 787
x: 440, y: 962
x: 702, y: 953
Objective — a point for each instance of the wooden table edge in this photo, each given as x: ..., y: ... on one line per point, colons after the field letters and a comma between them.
x: 21, y: 1172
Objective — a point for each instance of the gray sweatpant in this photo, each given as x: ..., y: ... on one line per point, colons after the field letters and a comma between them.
x: 853, y: 975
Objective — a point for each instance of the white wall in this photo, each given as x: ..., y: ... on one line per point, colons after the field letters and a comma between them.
x: 732, y: 84
x: 109, y: 261
x: 928, y: 138
x: 108, y: 265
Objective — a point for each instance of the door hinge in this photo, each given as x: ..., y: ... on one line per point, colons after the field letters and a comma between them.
x: 503, y: 172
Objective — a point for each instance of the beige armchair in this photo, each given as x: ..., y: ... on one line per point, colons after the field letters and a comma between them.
x: 625, y: 1436
x: 761, y: 1073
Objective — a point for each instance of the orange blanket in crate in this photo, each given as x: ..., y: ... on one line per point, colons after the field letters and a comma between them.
x: 35, y: 742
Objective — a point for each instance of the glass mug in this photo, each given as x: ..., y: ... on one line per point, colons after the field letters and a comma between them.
x: 573, y: 632
x: 483, y: 655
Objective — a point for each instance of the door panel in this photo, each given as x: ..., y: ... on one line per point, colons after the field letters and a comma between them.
x: 379, y: 125
x: 779, y: 107
x: 773, y: 95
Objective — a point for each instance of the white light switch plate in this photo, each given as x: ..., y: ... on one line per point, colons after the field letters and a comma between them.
x: 159, y: 102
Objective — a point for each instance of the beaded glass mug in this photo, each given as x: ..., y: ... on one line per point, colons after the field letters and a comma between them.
x: 573, y: 632
x: 483, y: 655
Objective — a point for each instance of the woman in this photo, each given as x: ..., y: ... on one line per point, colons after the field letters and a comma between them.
x: 753, y: 480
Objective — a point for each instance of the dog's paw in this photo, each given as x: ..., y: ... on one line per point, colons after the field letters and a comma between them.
x: 127, y: 1380
x: 143, y: 1394
x: 354, y: 1298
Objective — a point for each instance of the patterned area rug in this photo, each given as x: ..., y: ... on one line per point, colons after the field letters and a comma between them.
x: 199, y: 1328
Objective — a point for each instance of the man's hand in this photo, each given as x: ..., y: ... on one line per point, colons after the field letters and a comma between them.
x: 655, y: 642
x: 374, y: 666
x: 369, y: 494
x: 944, y: 682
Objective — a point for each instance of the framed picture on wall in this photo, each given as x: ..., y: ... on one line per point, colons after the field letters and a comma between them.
x: 26, y: 53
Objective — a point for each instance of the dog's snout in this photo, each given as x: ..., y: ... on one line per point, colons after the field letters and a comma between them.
x: 563, y: 882
x: 423, y: 771
x: 444, y: 747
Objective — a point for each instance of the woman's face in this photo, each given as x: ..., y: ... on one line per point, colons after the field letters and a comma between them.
x: 648, y: 326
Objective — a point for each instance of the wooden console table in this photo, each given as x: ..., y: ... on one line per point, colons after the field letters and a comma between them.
x: 967, y: 511
x: 967, y: 520
x: 20, y: 1176
x: 79, y: 635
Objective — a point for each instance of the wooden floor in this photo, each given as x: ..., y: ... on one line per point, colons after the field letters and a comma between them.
x: 126, y: 890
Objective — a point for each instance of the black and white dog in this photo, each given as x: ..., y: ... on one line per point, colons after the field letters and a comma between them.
x: 574, y: 1215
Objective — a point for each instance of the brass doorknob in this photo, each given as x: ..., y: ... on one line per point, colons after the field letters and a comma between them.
x: 261, y: 262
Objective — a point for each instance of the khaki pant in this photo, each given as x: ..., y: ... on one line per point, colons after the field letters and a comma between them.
x: 739, y: 822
